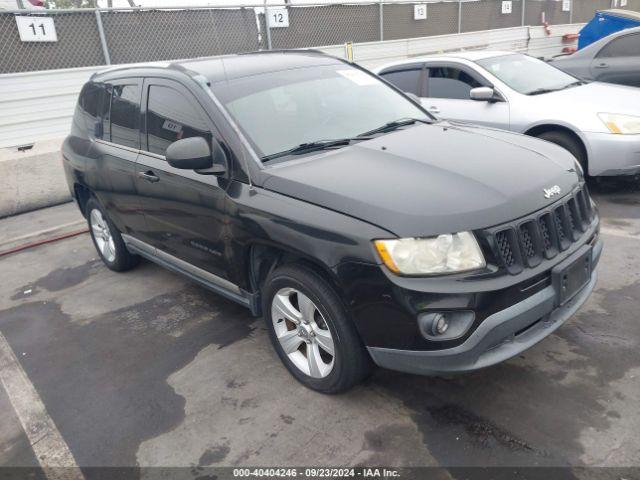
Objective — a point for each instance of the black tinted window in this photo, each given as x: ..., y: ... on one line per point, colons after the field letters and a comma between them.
x: 90, y: 99
x: 627, y: 46
x: 446, y: 82
x: 171, y: 117
x: 405, y: 80
x: 125, y: 115
x: 92, y: 107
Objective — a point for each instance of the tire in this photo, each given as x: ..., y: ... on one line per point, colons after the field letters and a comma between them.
x: 569, y: 143
x: 350, y: 362
x: 107, y: 239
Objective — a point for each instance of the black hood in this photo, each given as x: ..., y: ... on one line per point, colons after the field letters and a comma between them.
x: 431, y: 179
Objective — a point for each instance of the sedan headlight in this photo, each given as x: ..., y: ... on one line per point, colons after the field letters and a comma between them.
x: 621, y: 124
x: 449, y: 253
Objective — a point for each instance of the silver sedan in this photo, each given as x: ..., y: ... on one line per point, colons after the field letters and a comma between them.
x: 598, y: 123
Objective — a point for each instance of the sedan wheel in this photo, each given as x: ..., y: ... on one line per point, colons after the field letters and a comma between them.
x: 303, y: 332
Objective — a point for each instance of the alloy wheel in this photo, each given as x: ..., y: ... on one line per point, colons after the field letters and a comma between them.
x: 303, y: 332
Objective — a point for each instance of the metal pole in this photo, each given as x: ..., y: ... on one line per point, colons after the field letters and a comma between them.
x: 266, y: 25
x: 381, y: 21
x: 524, y: 9
x: 459, y: 16
x: 103, y: 39
x: 571, y: 11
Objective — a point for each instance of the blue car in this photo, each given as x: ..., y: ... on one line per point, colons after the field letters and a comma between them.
x: 605, y: 23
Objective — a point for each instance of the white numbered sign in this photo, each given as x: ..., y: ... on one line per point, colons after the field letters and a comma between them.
x: 420, y: 11
x: 278, y: 17
x: 507, y: 7
x: 36, y: 29
x: 566, y: 5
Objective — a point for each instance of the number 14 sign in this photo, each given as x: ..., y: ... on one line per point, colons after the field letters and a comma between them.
x: 37, y: 29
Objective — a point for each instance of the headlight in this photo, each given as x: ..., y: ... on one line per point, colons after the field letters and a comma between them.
x: 621, y: 124
x: 450, y: 253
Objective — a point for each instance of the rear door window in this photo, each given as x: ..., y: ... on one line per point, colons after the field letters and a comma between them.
x: 124, y: 119
x: 448, y: 82
x: 627, y: 46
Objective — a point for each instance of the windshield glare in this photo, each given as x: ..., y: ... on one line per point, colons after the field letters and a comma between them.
x: 526, y: 74
x: 281, y: 110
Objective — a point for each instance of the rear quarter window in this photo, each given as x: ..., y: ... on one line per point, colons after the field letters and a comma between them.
x: 91, y: 107
x: 407, y: 80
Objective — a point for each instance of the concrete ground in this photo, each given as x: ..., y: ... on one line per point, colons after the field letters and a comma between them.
x: 146, y: 368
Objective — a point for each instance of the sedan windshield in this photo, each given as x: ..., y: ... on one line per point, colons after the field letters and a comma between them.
x: 296, y: 111
x: 528, y: 75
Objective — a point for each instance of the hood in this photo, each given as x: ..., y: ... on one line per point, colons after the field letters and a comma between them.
x: 595, y: 97
x: 431, y: 179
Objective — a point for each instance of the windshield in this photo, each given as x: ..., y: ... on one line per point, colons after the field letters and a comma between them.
x: 279, y: 111
x: 527, y: 75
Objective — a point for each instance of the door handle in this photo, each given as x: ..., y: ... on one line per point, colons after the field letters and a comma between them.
x: 602, y: 65
x: 149, y: 176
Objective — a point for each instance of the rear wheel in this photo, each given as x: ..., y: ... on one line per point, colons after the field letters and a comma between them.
x: 312, y: 332
x: 568, y: 142
x: 107, y: 239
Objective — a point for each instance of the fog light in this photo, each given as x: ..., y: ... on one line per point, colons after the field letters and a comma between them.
x: 439, y: 325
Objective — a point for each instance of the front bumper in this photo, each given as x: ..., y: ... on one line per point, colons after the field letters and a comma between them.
x: 611, y: 154
x: 499, y: 337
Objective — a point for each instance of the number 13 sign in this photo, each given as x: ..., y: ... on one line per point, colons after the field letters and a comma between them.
x: 36, y: 29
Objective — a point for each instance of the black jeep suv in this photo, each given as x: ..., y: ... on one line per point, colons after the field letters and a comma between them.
x: 326, y: 200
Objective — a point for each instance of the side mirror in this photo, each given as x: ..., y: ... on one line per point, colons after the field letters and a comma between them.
x: 483, y: 94
x: 413, y: 97
x: 194, y: 153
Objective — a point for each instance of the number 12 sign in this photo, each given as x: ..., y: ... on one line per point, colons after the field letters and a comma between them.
x: 278, y: 18
x: 36, y: 29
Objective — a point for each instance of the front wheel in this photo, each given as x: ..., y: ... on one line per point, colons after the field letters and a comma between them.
x: 312, y: 332
x: 569, y: 143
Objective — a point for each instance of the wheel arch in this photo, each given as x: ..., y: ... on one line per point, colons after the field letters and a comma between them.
x: 539, y: 129
x: 263, y: 258
x: 82, y: 195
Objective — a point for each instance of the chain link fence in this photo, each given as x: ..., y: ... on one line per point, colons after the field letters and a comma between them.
x: 88, y: 37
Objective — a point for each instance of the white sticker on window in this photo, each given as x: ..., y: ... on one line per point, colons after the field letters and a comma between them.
x: 172, y: 126
x: 358, y: 77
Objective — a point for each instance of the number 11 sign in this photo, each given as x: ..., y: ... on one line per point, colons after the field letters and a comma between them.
x: 36, y: 29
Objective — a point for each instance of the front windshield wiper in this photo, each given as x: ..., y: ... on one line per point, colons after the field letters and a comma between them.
x: 390, y: 126
x: 314, y: 146
x: 577, y: 83
x: 540, y: 91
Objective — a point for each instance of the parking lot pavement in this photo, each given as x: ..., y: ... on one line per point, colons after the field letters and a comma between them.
x: 147, y: 368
